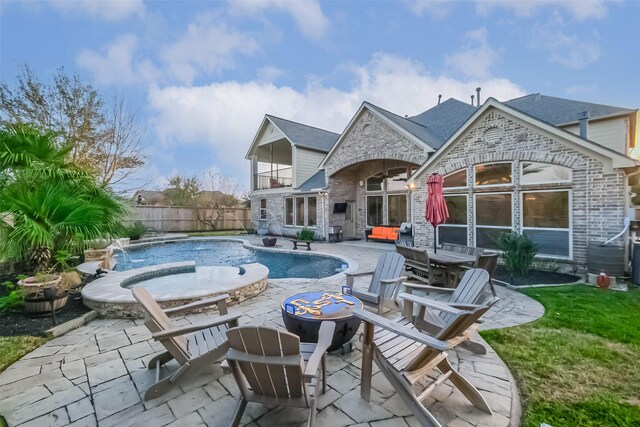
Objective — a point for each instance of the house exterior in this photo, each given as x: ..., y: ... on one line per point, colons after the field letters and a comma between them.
x: 555, y: 169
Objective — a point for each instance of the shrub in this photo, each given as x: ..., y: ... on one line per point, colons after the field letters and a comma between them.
x: 14, y: 298
x: 518, y: 251
x: 305, y: 234
x: 135, y: 231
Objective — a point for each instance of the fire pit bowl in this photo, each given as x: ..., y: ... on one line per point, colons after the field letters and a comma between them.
x: 303, y: 313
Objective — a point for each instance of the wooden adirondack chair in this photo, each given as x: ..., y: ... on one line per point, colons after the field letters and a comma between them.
x: 467, y: 295
x: 488, y: 262
x: 385, y: 281
x: 407, y: 356
x: 192, y: 346
x: 272, y: 367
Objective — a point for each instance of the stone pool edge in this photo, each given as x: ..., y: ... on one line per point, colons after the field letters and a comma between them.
x: 110, y: 300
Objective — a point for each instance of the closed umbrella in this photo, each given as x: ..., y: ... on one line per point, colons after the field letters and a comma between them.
x: 436, y: 209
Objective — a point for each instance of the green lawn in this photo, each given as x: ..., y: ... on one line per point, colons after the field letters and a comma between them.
x: 13, y: 348
x: 579, y: 365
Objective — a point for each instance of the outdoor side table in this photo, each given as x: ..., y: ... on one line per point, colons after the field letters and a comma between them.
x: 304, y: 312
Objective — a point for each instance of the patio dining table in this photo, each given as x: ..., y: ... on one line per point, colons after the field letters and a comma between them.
x: 452, y: 261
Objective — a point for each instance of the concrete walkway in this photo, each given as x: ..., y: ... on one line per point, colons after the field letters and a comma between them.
x: 95, y: 375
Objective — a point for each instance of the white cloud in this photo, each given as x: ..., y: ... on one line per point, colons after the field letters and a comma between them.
x: 208, y: 45
x: 571, y: 51
x: 307, y: 14
x: 578, y: 9
x: 105, y: 10
x: 476, y: 58
x: 269, y: 73
x: 437, y: 9
x: 118, y: 66
x: 226, y: 115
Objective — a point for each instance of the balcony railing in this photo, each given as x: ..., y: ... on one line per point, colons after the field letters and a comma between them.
x: 267, y: 180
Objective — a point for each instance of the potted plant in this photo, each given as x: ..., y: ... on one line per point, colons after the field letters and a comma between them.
x: 269, y: 241
x: 33, y: 289
x: 306, y: 235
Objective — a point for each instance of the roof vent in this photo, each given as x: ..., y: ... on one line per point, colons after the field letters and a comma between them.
x: 439, y: 98
x: 472, y: 100
x: 478, y: 89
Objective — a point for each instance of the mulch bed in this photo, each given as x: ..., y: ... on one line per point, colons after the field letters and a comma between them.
x: 14, y: 323
x: 535, y: 277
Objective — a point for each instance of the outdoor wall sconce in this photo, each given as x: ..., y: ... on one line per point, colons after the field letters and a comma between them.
x: 361, y: 183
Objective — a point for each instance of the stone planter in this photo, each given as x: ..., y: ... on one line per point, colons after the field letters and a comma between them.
x: 269, y: 241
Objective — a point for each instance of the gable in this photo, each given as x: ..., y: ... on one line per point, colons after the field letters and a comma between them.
x: 268, y: 134
x: 507, y: 121
x: 370, y: 136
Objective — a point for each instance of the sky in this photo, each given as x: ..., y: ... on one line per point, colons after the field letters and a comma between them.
x: 201, y: 75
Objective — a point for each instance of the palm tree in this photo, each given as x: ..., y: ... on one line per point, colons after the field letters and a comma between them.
x: 46, y: 204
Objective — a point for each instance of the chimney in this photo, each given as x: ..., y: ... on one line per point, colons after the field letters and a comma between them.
x: 439, y: 98
x: 584, y: 124
x: 478, y: 89
x: 472, y: 100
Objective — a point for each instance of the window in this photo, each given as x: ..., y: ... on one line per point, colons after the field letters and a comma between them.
x: 543, y: 173
x: 493, y: 217
x: 374, y: 183
x: 546, y: 218
x: 263, y: 208
x: 397, y: 180
x: 396, y: 209
x: 456, y: 180
x: 288, y: 211
x: 374, y: 210
x: 493, y: 174
x: 455, y: 230
x: 300, y: 211
x: 312, y: 211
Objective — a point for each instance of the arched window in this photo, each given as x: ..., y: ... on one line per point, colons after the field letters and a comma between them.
x: 456, y: 179
x: 543, y: 173
x: 493, y: 174
x: 374, y: 183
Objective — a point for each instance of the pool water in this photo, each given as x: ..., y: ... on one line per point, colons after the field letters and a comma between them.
x: 209, y: 252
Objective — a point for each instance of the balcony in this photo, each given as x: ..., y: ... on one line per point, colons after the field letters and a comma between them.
x: 276, y: 179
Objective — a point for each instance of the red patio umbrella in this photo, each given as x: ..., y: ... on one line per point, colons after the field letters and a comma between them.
x: 436, y: 209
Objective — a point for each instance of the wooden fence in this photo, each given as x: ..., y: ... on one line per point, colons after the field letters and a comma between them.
x: 181, y: 219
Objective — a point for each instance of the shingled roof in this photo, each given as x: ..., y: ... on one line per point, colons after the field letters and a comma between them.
x: 445, y: 118
x: 558, y: 111
x: 419, y: 131
x: 305, y: 136
x: 316, y: 181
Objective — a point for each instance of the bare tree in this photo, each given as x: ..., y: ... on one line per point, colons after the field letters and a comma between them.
x: 120, y: 151
x: 106, y: 142
x: 231, y: 190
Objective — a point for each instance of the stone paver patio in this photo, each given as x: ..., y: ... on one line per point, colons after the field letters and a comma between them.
x: 96, y: 374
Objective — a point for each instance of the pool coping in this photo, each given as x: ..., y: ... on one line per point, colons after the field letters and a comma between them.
x: 109, y: 298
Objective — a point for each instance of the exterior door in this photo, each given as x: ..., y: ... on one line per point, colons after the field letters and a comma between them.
x: 350, y: 220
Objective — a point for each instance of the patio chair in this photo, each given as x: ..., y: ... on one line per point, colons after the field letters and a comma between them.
x: 385, y: 281
x: 408, y: 357
x: 488, y: 262
x: 420, y: 266
x: 466, y: 296
x: 272, y: 367
x: 193, y: 346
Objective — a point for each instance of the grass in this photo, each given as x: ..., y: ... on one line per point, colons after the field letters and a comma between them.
x: 579, y: 365
x: 13, y: 348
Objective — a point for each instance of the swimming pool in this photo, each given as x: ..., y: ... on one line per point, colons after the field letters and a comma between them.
x: 218, y: 252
